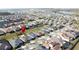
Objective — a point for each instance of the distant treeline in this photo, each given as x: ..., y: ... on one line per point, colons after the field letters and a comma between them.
x: 6, y: 13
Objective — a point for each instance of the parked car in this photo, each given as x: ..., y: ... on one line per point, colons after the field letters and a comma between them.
x: 2, y: 23
x: 16, y: 43
x: 41, y: 33
x: 11, y: 30
x: 77, y: 34
x: 46, y: 30
x: 65, y: 45
x: 64, y: 37
x: 34, y: 35
x: 38, y: 35
x: 5, y: 45
x: 23, y: 38
x: 30, y: 37
x: 54, y: 46
x: 68, y: 35
x: 73, y: 32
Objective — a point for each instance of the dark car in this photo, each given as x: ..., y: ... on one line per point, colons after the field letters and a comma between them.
x: 2, y: 23
x: 19, y: 43
x: 5, y: 45
x: 66, y: 45
x: 16, y: 43
x: 77, y: 34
